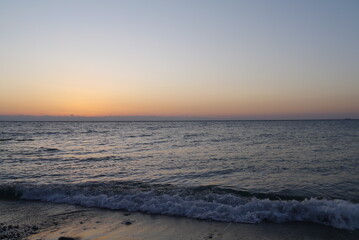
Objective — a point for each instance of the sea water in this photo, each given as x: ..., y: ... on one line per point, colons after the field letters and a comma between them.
x: 234, y: 171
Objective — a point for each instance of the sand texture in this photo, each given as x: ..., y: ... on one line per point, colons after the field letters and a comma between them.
x: 39, y: 220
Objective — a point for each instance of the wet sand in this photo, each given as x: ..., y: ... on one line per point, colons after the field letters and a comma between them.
x: 39, y: 220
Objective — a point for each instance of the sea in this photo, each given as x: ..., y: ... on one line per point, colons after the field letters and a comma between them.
x: 229, y: 171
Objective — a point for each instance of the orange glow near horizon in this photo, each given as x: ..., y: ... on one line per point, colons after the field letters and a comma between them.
x: 85, y: 95
x: 92, y: 103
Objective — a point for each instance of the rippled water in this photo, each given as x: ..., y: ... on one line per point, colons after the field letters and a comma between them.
x: 279, y: 160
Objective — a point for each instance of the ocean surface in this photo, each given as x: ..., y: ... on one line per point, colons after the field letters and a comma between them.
x: 232, y: 171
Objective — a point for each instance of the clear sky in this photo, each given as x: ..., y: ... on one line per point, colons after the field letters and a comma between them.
x: 180, y: 58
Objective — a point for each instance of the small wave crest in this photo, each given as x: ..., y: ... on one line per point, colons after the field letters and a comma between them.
x: 25, y: 140
x: 46, y: 149
x: 225, y: 207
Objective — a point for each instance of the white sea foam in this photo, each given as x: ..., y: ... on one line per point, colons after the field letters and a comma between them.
x: 335, y: 213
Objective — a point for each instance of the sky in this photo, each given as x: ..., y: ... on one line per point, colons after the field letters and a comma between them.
x: 220, y: 59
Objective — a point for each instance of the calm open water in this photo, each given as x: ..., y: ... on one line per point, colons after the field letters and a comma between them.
x: 239, y: 171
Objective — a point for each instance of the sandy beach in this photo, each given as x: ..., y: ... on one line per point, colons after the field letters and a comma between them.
x: 39, y: 220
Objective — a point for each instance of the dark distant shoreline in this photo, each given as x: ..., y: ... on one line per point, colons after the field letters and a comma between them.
x: 28, y: 118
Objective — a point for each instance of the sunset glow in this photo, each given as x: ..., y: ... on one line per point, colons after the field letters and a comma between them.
x: 183, y: 58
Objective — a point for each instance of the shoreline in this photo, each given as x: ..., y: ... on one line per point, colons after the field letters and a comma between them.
x: 35, y: 220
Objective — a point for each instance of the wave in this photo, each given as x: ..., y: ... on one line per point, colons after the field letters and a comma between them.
x: 5, y: 139
x: 46, y: 149
x: 208, y: 203
x: 25, y: 140
x: 94, y: 131
x: 99, y: 159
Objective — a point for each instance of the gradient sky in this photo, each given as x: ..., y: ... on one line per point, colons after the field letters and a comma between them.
x: 175, y: 58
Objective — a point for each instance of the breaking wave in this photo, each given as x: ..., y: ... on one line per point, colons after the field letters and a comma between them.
x: 208, y: 203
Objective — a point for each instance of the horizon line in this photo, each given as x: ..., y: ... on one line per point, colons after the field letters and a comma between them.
x: 154, y: 118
